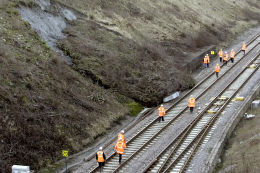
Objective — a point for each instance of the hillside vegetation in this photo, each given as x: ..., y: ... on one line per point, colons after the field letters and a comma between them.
x: 122, y: 52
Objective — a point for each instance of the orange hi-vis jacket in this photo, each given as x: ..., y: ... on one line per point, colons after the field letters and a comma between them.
x: 100, y: 156
x: 226, y: 57
x: 121, y: 137
x: 208, y: 58
x: 232, y: 54
x: 205, y: 60
x: 220, y: 53
x: 244, y: 46
x: 120, y: 146
x: 191, y: 102
x: 217, y: 68
x: 161, y: 111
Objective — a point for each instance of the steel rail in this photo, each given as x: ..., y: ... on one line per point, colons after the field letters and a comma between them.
x: 211, y: 123
x: 178, y: 115
x: 178, y: 101
x: 148, y: 166
x: 217, y: 113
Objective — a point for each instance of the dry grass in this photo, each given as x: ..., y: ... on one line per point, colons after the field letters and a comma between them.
x: 243, y: 149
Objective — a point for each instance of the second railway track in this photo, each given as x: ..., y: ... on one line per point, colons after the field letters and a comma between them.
x: 179, y: 152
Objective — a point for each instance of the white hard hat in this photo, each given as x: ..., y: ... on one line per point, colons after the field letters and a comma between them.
x: 207, y: 54
x: 100, y: 148
x: 225, y: 52
x: 217, y: 63
x: 191, y: 95
x: 122, y: 131
x: 161, y: 105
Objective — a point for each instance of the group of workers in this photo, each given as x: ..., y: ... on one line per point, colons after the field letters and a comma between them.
x: 121, y: 142
x: 223, y: 58
x: 119, y: 148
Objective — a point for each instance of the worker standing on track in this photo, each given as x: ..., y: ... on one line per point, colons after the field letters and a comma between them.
x: 120, y: 146
x: 220, y: 54
x: 161, y: 113
x: 244, y: 48
x: 217, y: 69
x: 101, y: 158
x: 121, y: 136
x: 205, y: 61
x: 208, y: 59
x: 232, y: 55
x: 225, y: 58
x: 191, y: 103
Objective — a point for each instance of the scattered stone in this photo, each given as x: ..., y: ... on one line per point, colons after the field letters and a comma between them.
x: 249, y: 116
x: 255, y: 104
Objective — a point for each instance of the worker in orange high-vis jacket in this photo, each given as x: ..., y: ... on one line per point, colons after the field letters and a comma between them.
x: 244, y: 48
x: 208, y: 59
x: 217, y: 69
x: 225, y: 60
x: 205, y: 61
x: 191, y: 103
x: 101, y: 158
x: 232, y: 55
x: 120, y: 148
x: 161, y: 113
x: 220, y: 54
x: 121, y: 136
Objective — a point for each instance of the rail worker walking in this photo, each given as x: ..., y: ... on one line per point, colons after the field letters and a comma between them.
x: 244, y: 48
x: 217, y: 69
x: 121, y: 136
x: 208, y: 60
x: 225, y: 58
x: 205, y: 61
x: 232, y: 55
x: 161, y: 113
x: 191, y: 103
x: 220, y: 54
x: 120, y: 148
x: 101, y: 158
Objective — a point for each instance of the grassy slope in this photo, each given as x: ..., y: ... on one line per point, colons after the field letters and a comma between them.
x: 139, y: 46
x: 46, y: 106
x: 243, y: 150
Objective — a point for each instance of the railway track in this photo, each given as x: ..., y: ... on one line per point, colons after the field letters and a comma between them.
x: 179, y: 152
x: 152, y: 131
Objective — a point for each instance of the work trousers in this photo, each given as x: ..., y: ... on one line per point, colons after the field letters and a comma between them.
x: 208, y: 65
x: 224, y: 62
x: 160, y: 118
x: 100, y: 165
x: 191, y: 109
x: 120, y: 158
x: 244, y: 52
x: 205, y: 65
x: 232, y: 60
x: 217, y: 74
x: 220, y: 59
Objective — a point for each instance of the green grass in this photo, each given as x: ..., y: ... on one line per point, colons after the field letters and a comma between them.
x: 135, y: 108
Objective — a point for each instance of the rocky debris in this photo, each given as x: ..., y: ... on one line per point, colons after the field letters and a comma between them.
x: 255, y: 104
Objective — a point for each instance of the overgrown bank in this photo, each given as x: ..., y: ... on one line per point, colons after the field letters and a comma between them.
x: 242, y: 150
x: 121, y: 51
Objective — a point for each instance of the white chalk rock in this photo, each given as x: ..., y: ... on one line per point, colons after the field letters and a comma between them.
x: 249, y: 116
x: 255, y: 104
